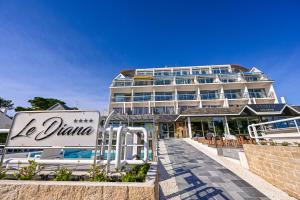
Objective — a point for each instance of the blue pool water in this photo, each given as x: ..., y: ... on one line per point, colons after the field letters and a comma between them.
x: 86, y: 154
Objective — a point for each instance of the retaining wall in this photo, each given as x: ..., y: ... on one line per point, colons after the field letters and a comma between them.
x: 279, y: 165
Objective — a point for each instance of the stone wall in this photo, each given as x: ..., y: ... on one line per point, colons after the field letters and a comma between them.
x: 51, y: 190
x: 279, y: 165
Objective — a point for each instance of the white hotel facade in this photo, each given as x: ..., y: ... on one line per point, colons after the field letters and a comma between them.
x: 174, y: 89
x: 207, y: 91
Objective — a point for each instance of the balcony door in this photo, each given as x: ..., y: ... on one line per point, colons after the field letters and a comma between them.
x: 167, y: 130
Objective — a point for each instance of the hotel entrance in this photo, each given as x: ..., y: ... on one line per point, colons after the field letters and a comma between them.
x: 167, y: 130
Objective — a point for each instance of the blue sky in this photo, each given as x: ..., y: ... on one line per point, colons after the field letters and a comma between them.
x: 71, y: 50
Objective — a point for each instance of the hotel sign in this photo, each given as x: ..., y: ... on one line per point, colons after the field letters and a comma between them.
x: 54, y: 128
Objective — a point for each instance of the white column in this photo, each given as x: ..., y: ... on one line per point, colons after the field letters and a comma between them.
x: 189, y: 127
x: 149, y: 107
x: 222, y: 92
x: 271, y: 90
x: 176, y: 101
x: 227, y: 131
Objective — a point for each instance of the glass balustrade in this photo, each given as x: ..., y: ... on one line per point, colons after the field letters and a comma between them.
x: 187, y: 97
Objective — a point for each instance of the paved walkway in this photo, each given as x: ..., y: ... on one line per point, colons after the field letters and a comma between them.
x: 187, y: 173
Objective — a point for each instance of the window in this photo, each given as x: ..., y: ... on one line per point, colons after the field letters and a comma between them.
x: 162, y: 73
x: 143, y: 96
x: 163, y: 82
x: 185, y: 72
x: 177, y: 72
x: 184, y: 81
x: 122, y: 83
x: 120, y: 97
x: 140, y: 110
x: 141, y: 83
x: 205, y: 80
x: 196, y: 72
x: 184, y: 108
x: 251, y: 78
x: 163, y: 110
x: 232, y: 94
x: 209, y: 94
x: 187, y: 95
x: 219, y: 70
x: 118, y: 110
x: 257, y: 93
x: 145, y: 73
x: 163, y: 96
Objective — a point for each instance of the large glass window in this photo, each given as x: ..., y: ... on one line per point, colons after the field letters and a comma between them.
x: 118, y: 110
x: 163, y: 96
x: 220, y: 70
x: 120, y: 97
x: 205, y: 80
x: 257, y: 93
x: 184, y: 81
x: 163, y: 82
x: 183, y: 108
x: 144, y: 82
x: 187, y: 95
x: 162, y: 73
x: 251, y: 78
x: 122, y: 83
x: 209, y: 94
x: 140, y: 110
x: 163, y: 110
x: 232, y: 94
x: 142, y: 96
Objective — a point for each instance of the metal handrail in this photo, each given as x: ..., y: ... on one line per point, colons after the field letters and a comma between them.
x: 263, y: 130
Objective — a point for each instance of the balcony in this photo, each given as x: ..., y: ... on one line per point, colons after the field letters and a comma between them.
x: 233, y: 95
x: 122, y: 83
x: 209, y: 96
x: 142, y: 98
x: 187, y: 97
x: 121, y: 99
x: 164, y: 97
x: 184, y: 81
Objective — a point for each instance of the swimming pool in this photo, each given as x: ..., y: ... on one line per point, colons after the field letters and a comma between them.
x: 86, y: 154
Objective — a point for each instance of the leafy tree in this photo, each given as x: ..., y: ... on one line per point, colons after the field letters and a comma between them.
x: 39, y: 103
x: 6, y: 104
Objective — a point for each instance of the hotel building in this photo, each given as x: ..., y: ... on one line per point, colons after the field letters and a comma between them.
x: 194, y: 100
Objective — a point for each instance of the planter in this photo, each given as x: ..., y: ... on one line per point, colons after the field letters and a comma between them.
x: 52, y: 190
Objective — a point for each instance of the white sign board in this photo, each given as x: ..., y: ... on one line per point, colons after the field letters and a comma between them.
x: 54, y: 128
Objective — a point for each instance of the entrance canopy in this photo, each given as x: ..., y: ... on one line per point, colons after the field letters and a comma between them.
x: 247, y: 110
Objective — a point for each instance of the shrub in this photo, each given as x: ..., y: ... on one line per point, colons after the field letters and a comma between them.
x: 285, y: 144
x: 273, y: 143
x: 63, y: 174
x: 97, y: 174
x: 28, y: 172
x: 263, y: 143
x: 136, y: 174
x: 2, y: 173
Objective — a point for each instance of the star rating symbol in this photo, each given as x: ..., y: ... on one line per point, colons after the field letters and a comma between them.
x: 83, y: 120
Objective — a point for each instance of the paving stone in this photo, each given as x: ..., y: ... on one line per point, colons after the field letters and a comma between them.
x: 200, y: 177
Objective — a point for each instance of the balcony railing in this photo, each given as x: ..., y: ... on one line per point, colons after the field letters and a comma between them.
x: 209, y: 96
x: 187, y: 97
x: 121, y: 99
x: 203, y: 96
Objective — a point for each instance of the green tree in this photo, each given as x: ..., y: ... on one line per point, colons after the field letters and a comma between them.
x: 4, y: 103
x: 39, y: 103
